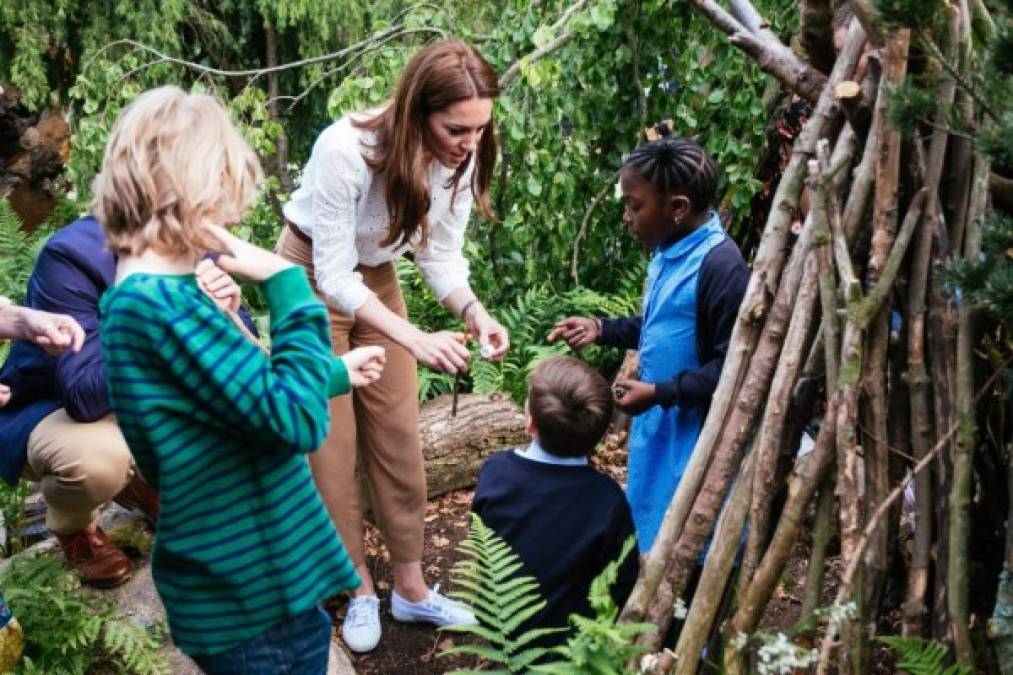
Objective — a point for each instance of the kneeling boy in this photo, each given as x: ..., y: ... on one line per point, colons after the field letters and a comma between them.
x: 563, y: 518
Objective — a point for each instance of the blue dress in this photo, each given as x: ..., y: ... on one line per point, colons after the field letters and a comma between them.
x: 662, y: 439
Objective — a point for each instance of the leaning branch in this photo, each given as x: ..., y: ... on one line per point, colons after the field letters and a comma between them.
x: 770, y: 54
x: 161, y: 57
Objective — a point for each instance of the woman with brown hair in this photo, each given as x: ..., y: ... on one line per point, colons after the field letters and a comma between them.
x: 380, y: 182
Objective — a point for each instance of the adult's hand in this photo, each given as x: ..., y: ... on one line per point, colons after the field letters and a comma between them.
x: 53, y: 332
x: 577, y: 331
x: 245, y: 260
x: 444, y: 351
x: 633, y: 396
x: 365, y: 365
x: 5, y: 395
x: 492, y: 336
x: 219, y: 286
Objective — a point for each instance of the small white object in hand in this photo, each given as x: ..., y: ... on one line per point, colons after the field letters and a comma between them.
x: 486, y: 351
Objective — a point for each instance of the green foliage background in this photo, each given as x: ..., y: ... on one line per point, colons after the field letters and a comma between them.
x: 564, y: 124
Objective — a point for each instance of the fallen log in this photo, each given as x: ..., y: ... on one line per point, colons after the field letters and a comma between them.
x: 455, y: 447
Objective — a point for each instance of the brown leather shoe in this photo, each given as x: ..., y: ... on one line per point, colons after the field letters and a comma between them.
x: 100, y: 561
x: 137, y: 494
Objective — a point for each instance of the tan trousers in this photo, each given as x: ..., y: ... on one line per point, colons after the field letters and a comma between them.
x: 377, y: 425
x: 80, y: 467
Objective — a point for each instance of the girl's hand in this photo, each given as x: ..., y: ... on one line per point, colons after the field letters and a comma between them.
x: 577, y: 331
x: 443, y: 351
x: 245, y: 260
x: 492, y: 336
x: 633, y: 396
x: 365, y: 365
x: 5, y: 395
x: 219, y: 286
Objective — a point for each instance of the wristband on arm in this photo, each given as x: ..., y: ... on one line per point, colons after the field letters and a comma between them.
x: 467, y: 306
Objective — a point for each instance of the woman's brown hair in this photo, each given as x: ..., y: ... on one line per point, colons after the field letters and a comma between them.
x: 439, y: 75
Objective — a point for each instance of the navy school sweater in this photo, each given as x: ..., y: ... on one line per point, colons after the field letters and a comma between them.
x: 566, y: 523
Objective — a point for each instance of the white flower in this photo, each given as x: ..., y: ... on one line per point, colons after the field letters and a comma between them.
x: 781, y: 656
x: 679, y: 608
x: 838, y: 613
x: 648, y: 663
x: 740, y: 641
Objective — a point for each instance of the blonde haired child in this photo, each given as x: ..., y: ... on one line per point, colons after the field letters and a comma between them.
x: 244, y: 549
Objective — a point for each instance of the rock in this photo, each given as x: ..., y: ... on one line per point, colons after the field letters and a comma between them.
x: 137, y: 600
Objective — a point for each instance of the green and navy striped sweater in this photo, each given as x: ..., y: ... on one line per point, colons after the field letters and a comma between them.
x: 221, y: 430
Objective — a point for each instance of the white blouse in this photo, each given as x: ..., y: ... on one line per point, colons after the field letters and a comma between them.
x: 340, y: 204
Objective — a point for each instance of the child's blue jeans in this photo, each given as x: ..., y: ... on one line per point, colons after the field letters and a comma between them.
x: 298, y: 645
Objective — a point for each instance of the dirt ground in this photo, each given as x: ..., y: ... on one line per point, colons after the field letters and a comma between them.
x: 407, y: 649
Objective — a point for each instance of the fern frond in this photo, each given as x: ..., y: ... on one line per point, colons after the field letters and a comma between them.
x: 500, y: 598
x: 922, y: 657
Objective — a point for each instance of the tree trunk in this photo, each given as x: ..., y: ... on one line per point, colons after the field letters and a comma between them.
x: 716, y: 570
x: 916, y: 378
x: 874, y: 377
x: 280, y: 159
x: 958, y: 579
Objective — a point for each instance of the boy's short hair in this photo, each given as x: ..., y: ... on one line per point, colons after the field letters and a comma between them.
x: 174, y: 163
x: 571, y: 405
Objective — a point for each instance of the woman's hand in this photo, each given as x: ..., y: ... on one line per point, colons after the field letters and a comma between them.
x: 577, y: 331
x: 365, y: 365
x: 492, y: 336
x: 219, y: 286
x: 245, y: 260
x: 5, y: 395
x: 633, y: 396
x: 445, y: 351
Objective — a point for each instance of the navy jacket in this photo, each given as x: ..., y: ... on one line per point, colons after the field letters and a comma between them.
x: 72, y: 272
x: 566, y: 523
x: 721, y: 287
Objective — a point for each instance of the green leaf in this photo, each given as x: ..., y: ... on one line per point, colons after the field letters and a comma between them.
x: 601, y: 17
x: 534, y: 186
x: 543, y: 36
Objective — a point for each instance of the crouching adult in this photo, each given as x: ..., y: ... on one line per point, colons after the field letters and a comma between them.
x: 56, y: 425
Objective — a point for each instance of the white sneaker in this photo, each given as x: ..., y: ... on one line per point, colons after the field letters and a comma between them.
x: 361, y: 628
x: 435, y: 609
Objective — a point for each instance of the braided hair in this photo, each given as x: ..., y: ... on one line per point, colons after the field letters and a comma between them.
x: 677, y: 165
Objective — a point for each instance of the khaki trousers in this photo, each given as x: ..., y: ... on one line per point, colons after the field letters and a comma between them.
x: 377, y: 425
x: 80, y: 467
